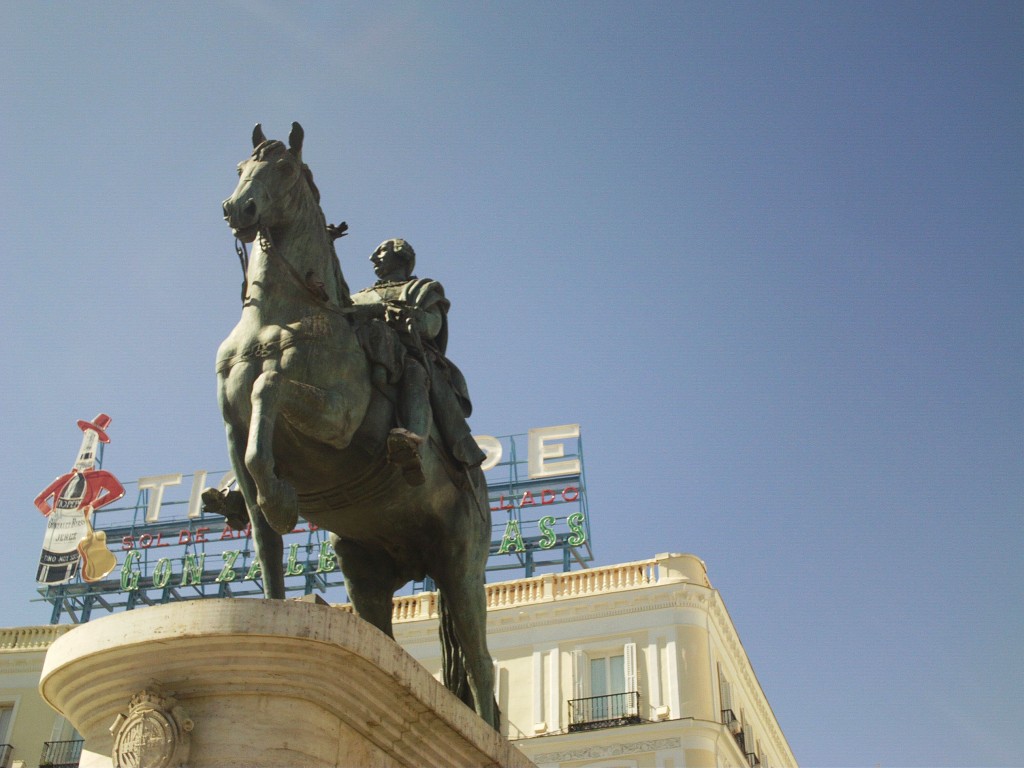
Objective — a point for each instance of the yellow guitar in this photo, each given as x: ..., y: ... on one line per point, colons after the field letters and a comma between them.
x: 97, y: 560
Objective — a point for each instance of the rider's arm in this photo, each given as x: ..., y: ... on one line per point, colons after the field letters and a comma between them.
x: 368, y: 311
x: 428, y: 321
x: 424, y: 322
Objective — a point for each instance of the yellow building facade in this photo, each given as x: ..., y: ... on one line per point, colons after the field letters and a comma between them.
x: 622, y: 666
x: 31, y: 734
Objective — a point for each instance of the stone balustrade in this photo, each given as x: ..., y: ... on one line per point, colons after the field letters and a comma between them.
x: 31, y: 638
x: 661, y: 569
x: 610, y: 579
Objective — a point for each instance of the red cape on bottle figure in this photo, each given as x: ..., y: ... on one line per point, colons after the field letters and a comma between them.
x: 101, y: 487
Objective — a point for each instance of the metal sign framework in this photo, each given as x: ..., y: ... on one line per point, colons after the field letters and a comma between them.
x: 526, y: 503
x: 537, y: 524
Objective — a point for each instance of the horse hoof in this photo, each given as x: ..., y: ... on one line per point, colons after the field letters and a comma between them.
x: 283, y: 524
x: 282, y: 513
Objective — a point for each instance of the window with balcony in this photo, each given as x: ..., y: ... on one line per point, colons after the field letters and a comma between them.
x: 729, y: 718
x: 747, y: 745
x: 606, y: 693
x: 61, y: 754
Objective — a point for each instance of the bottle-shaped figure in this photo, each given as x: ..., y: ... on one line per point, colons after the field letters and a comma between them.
x: 69, y: 501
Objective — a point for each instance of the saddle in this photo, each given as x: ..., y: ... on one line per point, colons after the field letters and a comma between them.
x: 382, y: 346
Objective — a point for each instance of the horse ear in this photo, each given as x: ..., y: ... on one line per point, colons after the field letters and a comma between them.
x: 295, y: 139
x: 257, y: 136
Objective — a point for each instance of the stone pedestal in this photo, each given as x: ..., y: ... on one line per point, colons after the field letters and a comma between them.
x: 248, y: 683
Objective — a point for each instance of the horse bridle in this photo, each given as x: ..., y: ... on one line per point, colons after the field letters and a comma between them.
x: 243, y: 259
x: 264, y: 235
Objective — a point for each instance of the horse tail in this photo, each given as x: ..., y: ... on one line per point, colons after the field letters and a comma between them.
x: 453, y: 661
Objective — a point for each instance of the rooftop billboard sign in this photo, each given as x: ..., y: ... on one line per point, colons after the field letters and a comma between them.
x: 165, y: 548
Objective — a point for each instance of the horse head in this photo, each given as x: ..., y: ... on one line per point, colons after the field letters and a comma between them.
x: 266, y: 182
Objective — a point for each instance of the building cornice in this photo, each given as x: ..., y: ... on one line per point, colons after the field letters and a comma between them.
x: 727, y: 633
x: 546, y: 615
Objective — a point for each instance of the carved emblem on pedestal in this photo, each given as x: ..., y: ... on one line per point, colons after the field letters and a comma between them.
x: 154, y: 733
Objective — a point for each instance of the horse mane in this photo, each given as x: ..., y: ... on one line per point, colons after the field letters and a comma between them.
x: 344, y: 294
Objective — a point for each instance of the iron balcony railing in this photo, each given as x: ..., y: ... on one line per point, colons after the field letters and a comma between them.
x: 604, y: 711
x: 6, y: 751
x: 735, y: 727
x: 61, y: 754
x: 729, y: 719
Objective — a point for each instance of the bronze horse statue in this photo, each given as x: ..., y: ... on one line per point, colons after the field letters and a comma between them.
x: 303, y: 423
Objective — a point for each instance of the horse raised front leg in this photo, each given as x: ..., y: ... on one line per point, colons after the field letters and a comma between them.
x: 276, y: 499
x: 268, y: 544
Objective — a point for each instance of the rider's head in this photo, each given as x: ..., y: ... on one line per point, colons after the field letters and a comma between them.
x: 393, y: 257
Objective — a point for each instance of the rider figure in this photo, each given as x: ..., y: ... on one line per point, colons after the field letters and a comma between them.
x: 430, y: 384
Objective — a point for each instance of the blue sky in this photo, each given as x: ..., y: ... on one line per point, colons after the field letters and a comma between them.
x: 767, y: 255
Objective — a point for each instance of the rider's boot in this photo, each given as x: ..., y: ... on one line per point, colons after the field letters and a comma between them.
x: 230, y: 504
x: 404, y: 453
x: 450, y: 418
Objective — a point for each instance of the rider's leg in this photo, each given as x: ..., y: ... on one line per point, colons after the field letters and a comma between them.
x: 414, y: 408
x: 414, y: 414
x: 452, y: 424
x: 372, y: 434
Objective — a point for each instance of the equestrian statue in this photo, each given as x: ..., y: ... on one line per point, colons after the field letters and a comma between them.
x: 344, y: 410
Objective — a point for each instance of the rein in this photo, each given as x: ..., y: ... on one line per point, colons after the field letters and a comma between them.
x: 258, y: 350
x: 319, y: 297
x: 318, y: 294
x: 243, y: 258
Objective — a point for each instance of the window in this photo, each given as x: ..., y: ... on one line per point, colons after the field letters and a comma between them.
x: 749, y: 745
x: 6, y: 717
x: 63, y: 730
x: 64, y: 749
x: 607, y: 675
x: 604, y: 688
x: 729, y: 717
